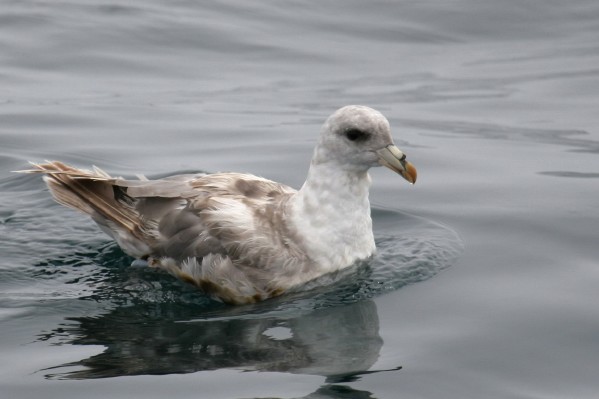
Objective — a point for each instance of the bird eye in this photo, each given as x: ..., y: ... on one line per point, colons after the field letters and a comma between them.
x: 357, y: 135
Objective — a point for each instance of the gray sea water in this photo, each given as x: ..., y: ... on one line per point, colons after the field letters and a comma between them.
x: 486, y: 282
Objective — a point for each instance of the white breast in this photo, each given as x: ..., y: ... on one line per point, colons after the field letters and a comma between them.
x: 331, y: 213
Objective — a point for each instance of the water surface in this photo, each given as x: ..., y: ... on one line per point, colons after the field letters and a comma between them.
x: 485, y: 281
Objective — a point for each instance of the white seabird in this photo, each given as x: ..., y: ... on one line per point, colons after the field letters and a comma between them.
x: 238, y: 237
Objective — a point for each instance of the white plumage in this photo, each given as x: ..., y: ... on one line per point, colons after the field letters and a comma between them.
x: 239, y: 237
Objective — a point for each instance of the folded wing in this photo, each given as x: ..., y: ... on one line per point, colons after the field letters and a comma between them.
x: 226, y: 232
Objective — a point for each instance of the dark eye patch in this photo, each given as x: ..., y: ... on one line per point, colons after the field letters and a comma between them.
x: 357, y: 135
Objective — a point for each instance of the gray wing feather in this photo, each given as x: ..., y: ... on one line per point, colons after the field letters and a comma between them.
x: 224, y: 232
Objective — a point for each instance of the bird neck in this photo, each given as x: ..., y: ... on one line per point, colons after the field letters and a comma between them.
x: 329, y: 185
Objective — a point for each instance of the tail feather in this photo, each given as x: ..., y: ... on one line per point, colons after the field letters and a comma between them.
x: 84, y: 190
x: 95, y: 194
x: 67, y: 197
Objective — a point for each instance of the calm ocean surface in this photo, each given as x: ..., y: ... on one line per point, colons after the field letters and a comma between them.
x: 486, y: 284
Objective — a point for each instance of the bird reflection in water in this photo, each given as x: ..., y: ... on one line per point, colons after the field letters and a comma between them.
x: 339, y: 343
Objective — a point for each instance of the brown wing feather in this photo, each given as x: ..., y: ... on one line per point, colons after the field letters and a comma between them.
x: 248, y: 215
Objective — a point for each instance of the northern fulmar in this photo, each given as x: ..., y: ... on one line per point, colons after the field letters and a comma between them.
x: 241, y: 238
